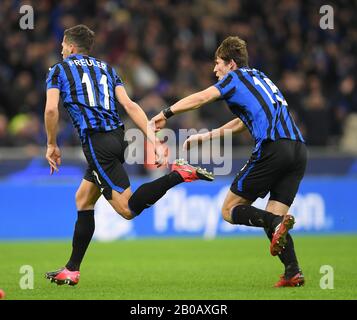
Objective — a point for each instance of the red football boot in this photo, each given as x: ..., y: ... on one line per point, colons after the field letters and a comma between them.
x: 279, y: 237
x: 190, y: 173
x: 297, y: 280
x: 63, y: 276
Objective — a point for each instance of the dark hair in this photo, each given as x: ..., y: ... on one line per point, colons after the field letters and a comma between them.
x: 80, y: 35
x: 233, y: 48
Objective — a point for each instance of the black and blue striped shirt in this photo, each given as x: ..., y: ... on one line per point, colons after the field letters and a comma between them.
x: 87, y: 88
x: 255, y: 99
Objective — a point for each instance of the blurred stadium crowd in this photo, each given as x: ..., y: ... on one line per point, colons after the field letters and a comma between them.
x: 164, y: 50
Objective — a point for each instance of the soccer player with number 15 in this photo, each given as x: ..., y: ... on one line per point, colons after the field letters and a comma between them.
x: 278, y: 161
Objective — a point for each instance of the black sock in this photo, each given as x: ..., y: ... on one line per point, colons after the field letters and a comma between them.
x: 148, y: 193
x: 288, y: 255
x: 82, y: 236
x: 251, y: 216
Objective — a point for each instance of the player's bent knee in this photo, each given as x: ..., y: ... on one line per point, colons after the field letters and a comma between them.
x: 119, y: 202
x: 126, y: 214
x: 226, y: 214
x: 122, y: 208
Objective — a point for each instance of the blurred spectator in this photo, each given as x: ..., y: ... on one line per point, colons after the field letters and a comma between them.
x: 5, y: 139
x: 316, y: 114
x: 348, y: 141
x: 26, y: 129
x: 166, y: 49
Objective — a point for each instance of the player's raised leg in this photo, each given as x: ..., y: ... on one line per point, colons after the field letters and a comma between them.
x: 279, y: 233
x: 131, y: 205
x: 238, y: 210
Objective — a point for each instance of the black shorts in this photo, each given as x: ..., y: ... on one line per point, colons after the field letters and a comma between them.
x: 104, y: 152
x: 276, y: 167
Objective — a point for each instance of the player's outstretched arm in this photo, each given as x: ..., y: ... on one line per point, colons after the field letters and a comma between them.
x: 235, y: 125
x: 53, y: 154
x: 139, y: 117
x: 191, y: 102
x: 135, y: 113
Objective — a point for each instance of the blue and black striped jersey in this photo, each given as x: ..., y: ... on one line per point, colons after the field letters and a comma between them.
x: 87, y: 88
x: 256, y: 100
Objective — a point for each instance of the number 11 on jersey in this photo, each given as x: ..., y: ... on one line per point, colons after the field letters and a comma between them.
x: 104, y: 83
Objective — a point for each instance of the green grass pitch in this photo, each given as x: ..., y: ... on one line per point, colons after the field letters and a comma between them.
x: 160, y: 269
